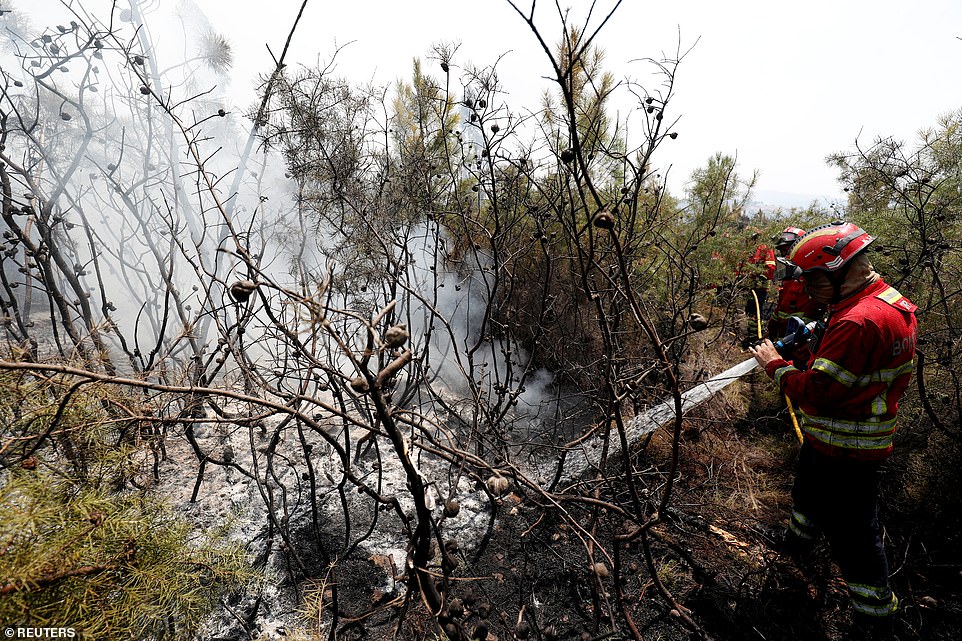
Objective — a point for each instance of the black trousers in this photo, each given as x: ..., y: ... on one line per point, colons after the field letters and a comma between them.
x: 838, y: 497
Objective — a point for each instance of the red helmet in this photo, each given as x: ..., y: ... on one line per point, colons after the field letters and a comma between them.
x: 829, y: 247
x: 788, y: 236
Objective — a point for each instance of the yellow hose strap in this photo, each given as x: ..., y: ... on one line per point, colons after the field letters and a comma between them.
x: 758, y: 314
x: 791, y: 412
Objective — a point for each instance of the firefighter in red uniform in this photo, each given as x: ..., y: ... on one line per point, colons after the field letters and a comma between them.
x: 760, y: 273
x: 847, y: 399
x: 792, y: 299
x: 764, y: 260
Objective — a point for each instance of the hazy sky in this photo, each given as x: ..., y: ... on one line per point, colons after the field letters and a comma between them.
x: 779, y: 85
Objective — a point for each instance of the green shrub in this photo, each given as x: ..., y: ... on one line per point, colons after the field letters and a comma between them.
x: 80, y: 546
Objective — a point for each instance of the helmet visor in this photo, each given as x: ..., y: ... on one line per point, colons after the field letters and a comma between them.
x: 786, y: 269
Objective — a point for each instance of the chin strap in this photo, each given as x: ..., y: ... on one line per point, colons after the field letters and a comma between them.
x: 837, y: 279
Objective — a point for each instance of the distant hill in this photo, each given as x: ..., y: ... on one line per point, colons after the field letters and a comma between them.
x: 768, y: 200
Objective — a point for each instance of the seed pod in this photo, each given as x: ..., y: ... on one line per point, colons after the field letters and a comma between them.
x: 452, y: 508
x: 396, y: 336
x: 241, y: 290
x: 604, y: 220
x: 495, y: 128
x: 567, y: 155
x: 359, y: 384
x: 455, y: 608
x: 444, y: 66
x: 600, y: 570
x: 698, y: 322
x: 497, y: 485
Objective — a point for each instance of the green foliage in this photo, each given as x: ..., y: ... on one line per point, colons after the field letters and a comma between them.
x: 910, y: 198
x: 585, y: 120
x: 80, y: 549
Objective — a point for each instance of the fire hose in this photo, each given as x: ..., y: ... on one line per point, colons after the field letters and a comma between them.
x: 637, y: 427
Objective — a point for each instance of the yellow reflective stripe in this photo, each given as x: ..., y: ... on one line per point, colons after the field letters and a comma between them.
x: 876, y: 610
x: 836, y: 371
x: 874, y: 600
x: 860, y: 435
x: 802, y: 527
x: 802, y: 519
x: 799, y: 532
x: 879, y: 406
x: 848, y: 379
x: 889, y: 295
x: 781, y: 371
x: 877, y: 592
x: 886, y: 375
x: 869, y: 426
x: 857, y: 442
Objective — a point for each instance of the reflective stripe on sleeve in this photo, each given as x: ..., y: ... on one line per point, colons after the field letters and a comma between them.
x: 848, y: 379
x: 836, y: 371
x: 887, y: 376
x: 781, y: 371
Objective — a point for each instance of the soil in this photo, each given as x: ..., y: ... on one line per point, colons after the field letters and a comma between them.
x: 716, y: 550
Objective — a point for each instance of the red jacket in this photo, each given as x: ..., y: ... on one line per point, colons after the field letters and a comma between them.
x: 792, y: 301
x: 848, y: 397
x: 765, y: 257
